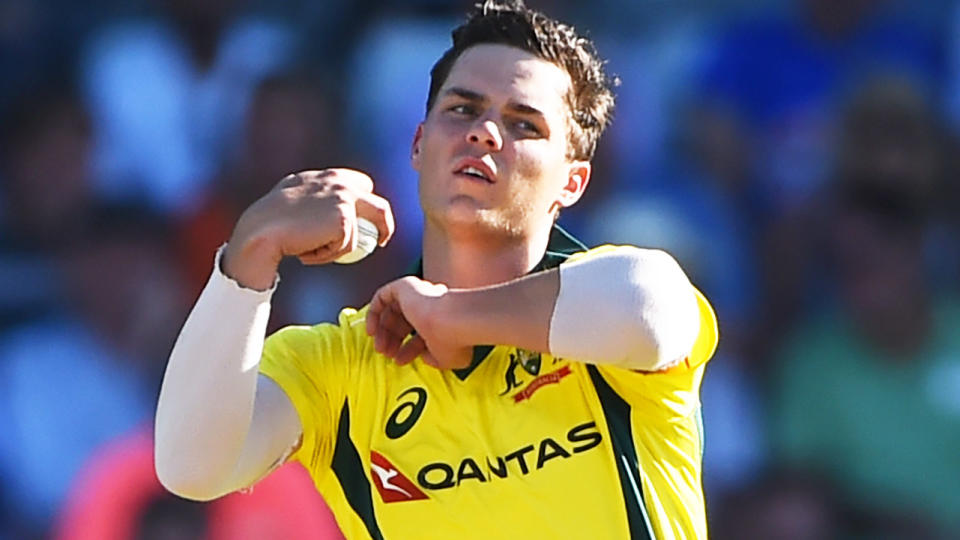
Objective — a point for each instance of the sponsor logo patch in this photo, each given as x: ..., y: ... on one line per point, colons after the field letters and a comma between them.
x: 518, y: 463
x: 391, y: 483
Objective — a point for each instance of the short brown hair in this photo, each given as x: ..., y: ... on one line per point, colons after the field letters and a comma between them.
x: 510, y: 22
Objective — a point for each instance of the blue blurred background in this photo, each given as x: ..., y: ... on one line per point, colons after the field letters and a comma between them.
x: 797, y: 157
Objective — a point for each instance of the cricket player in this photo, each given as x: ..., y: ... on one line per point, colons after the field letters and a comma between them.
x: 519, y: 385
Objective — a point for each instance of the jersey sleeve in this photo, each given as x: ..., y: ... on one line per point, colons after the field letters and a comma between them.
x: 312, y: 365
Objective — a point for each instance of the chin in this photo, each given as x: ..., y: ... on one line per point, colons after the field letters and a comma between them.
x: 457, y: 210
x: 466, y: 215
x: 460, y: 216
x: 479, y: 222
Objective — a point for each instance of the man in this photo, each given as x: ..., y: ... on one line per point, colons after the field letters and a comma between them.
x: 582, y: 421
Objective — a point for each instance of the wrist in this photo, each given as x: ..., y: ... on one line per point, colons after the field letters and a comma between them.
x: 454, y: 312
x: 252, y: 262
x: 516, y: 313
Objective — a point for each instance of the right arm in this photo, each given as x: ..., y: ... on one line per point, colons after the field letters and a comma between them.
x: 221, y: 426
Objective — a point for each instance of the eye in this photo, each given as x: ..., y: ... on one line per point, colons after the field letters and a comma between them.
x: 527, y: 126
x: 463, y: 109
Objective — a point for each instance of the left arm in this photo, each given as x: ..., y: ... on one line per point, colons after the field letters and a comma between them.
x: 628, y: 307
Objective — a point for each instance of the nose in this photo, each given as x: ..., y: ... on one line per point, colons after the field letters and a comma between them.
x: 487, y: 134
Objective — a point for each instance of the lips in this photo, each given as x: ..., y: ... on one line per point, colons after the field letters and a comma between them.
x: 475, y: 168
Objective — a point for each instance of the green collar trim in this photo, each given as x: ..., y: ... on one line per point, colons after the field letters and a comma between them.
x: 559, y: 248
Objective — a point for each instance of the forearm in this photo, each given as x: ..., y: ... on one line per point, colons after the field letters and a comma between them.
x: 516, y: 313
x: 629, y: 307
x: 207, y: 397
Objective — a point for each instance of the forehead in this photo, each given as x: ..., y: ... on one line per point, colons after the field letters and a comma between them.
x: 502, y: 72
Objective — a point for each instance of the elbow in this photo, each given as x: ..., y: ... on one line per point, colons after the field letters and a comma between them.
x: 659, y: 346
x: 176, y: 480
x: 629, y: 307
x: 664, y: 320
x: 183, y: 485
x: 181, y: 476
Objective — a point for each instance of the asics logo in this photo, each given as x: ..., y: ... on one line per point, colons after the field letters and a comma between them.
x: 407, y: 413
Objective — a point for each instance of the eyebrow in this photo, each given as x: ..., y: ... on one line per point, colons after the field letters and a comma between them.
x: 470, y: 95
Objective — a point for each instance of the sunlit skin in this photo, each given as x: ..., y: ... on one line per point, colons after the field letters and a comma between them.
x: 505, y: 108
x: 502, y: 111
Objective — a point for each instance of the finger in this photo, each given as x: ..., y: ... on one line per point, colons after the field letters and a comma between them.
x: 394, y: 321
x: 381, y: 338
x: 309, y: 179
x: 348, y: 228
x: 385, y: 322
x: 312, y: 260
x: 321, y: 255
x: 359, y: 181
x: 330, y: 251
x: 353, y: 235
x: 377, y: 209
x: 429, y: 359
x: 310, y: 175
x: 337, y: 248
x: 390, y: 332
x: 410, y: 350
x: 343, y: 242
x: 373, y: 316
x: 379, y: 333
x: 389, y: 336
x: 378, y: 303
x: 290, y: 180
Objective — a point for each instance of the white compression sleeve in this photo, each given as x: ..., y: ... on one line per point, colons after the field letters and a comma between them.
x: 629, y: 307
x: 205, y: 445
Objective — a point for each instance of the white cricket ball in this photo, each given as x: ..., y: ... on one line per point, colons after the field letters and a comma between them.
x: 367, y: 238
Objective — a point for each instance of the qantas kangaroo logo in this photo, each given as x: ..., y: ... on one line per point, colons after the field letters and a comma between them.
x: 392, y: 485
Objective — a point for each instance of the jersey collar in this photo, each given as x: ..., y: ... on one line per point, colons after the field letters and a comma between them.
x: 559, y: 248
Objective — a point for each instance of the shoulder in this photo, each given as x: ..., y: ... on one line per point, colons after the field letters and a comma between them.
x: 347, y: 333
x: 652, y: 256
x: 318, y: 364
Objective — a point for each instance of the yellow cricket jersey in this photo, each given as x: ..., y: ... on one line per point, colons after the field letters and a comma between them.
x: 518, y: 445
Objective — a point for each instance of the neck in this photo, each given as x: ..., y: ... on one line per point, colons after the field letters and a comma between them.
x: 477, y: 261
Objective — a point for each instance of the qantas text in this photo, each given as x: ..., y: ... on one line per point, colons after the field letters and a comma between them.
x: 523, y: 461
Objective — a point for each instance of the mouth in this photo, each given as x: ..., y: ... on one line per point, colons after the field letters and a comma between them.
x: 475, y: 169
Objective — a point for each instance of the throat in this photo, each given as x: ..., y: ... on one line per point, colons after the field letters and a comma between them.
x: 478, y: 262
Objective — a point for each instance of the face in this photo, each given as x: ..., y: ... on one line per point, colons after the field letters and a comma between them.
x: 492, y: 152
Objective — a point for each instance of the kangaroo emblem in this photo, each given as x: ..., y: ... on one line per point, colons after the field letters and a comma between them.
x: 530, y: 361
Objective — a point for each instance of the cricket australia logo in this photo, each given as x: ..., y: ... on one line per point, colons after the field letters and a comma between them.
x: 530, y: 361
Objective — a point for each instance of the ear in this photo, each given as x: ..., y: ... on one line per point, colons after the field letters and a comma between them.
x: 578, y: 176
x: 415, y: 148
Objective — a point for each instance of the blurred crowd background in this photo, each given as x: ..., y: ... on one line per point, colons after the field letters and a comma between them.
x: 798, y: 157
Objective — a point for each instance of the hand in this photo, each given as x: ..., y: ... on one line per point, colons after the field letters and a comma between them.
x: 310, y: 215
x: 410, y: 304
